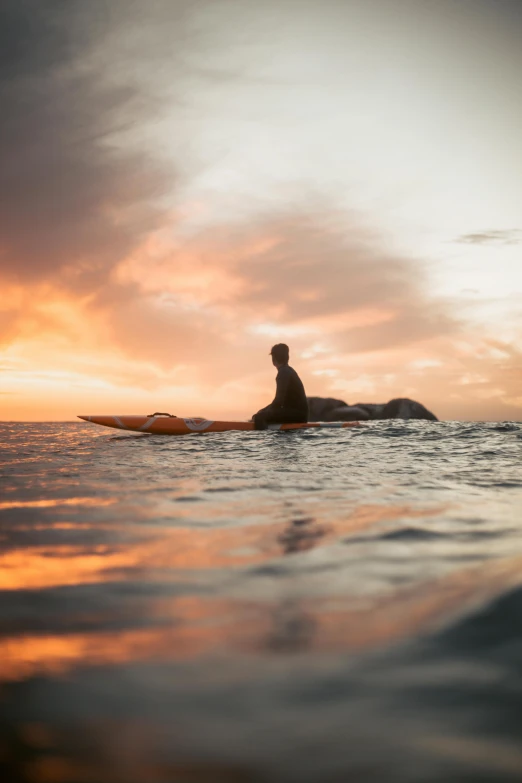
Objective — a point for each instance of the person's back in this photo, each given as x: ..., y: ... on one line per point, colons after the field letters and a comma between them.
x: 289, y: 404
x: 290, y: 392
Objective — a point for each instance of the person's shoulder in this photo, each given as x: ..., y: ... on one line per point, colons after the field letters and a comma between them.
x: 285, y: 372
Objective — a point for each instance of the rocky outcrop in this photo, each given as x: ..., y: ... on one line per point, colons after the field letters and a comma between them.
x: 403, y: 408
x: 330, y: 409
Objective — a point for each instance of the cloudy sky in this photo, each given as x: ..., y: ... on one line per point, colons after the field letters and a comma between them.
x: 186, y: 182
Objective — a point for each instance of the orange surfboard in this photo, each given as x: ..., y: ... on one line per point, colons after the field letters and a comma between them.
x: 162, y: 424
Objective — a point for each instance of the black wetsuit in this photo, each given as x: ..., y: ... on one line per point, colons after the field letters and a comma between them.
x: 289, y: 405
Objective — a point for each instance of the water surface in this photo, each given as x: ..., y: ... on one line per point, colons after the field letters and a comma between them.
x: 324, y: 605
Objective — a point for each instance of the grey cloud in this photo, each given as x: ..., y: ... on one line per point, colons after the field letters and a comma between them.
x: 73, y: 206
x: 289, y: 270
x: 499, y: 237
x: 409, y: 325
x: 343, y: 267
x: 312, y: 269
x: 69, y: 198
x: 346, y: 270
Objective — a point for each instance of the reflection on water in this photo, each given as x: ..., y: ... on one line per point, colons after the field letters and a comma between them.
x: 300, y: 535
x: 54, y: 502
x: 163, y: 549
x: 185, y: 627
x: 261, y: 607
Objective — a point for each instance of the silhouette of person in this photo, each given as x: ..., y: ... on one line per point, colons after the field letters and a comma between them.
x: 289, y: 405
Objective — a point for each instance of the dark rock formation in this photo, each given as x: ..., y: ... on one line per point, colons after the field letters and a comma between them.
x: 330, y: 409
x: 350, y: 413
x: 373, y: 409
x: 403, y: 408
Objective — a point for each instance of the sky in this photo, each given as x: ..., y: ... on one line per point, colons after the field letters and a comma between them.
x: 184, y: 184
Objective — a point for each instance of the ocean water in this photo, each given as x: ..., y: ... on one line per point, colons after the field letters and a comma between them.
x: 321, y: 606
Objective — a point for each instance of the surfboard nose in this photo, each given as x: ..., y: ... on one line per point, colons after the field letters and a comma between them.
x: 85, y: 418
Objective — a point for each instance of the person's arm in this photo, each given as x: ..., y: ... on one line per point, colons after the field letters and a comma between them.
x: 282, y: 382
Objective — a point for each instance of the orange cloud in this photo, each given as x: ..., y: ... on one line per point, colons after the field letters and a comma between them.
x: 188, y: 323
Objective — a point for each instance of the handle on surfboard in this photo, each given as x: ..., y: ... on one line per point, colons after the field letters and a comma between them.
x: 170, y: 415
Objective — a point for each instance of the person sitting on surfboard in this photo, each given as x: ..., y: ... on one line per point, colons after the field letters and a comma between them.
x: 290, y: 405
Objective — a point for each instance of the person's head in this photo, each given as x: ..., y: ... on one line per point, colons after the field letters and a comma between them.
x: 280, y: 354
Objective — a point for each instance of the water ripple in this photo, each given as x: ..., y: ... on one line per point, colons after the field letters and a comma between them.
x: 305, y: 606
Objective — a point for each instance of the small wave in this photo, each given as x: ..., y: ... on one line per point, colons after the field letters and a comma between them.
x: 221, y: 489
x: 479, y: 535
x: 410, y: 534
x: 270, y: 569
x: 144, y: 435
x: 394, y: 432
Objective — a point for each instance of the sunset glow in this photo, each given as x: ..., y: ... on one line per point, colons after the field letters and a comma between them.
x: 345, y: 178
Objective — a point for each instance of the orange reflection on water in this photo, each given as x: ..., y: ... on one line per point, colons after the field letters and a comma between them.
x: 53, y: 502
x: 191, y: 627
x: 196, y: 631
x: 40, y: 567
x: 187, y: 548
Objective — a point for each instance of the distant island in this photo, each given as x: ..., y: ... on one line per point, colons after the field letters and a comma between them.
x: 329, y: 409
